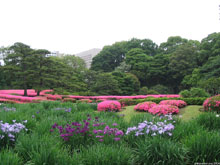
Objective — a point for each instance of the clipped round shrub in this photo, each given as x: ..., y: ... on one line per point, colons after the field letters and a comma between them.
x: 198, y: 92
x: 152, y: 92
x: 145, y: 106
x: 127, y: 102
x: 212, y: 104
x: 178, y: 103
x: 194, y: 92
x: 143, y: 91
x: 185, y: 93
x: 69, y: 100
x: 164, y: 109
x: 85, y: 101
x: 109, y: 105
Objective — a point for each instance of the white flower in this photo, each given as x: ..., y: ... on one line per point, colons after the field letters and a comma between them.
x: 217, y: 115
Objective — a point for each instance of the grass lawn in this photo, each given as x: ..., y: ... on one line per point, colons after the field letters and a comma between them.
x: 187, y: 113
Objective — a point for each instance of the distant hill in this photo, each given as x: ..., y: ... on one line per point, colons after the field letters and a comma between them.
x: 88, y: 55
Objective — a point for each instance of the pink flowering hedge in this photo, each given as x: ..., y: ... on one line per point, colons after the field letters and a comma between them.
x: 178, y: 103
x: 212, y: 104
x: 145, y: 106
x: 109, y: 105
x: 163, y: 110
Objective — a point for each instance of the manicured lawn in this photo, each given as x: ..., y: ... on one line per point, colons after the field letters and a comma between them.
x: 187, y: 113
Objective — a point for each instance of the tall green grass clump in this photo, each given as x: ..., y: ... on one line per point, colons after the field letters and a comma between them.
x: 8, y: 157
x: 209, y: 120
x: 161, y: 151
x: 203, y: 147
x: 102, y: 154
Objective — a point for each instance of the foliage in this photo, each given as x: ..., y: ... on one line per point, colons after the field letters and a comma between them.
x: 10, y: 158
x: 106, y: 154
x: 127, y: 102
x: 106, y: 85
x: 159, y: 150
x: 203, y: 147
x: 128, y: 83
x: 211, y: 85
x: 211, y: 121
x: 161, y: 89
x: 143, y: 91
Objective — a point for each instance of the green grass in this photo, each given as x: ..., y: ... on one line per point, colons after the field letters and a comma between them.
x: 186, y: 114
x: 190, y: 112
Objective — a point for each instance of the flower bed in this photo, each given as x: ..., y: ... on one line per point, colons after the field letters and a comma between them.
x: 178, y: 103
x: 212, y: 104
x: 164, y: 110
x: 145, y: 106
x: 109, y: 105
x: 152, y: 128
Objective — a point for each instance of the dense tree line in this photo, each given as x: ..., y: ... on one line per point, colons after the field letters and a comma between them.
x: 174, y: 65
x: 124, y: 68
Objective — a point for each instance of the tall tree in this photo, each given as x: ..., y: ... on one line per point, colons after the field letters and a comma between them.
x: 172, y: 44
x: 140, y: 63
x: 182, y: 63
x: 210, y: 47
x: 18, y: 63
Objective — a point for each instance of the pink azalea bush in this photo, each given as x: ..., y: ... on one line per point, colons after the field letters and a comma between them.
x: 109, y: 105
x: 212, y: 104
x: 145, y: 106
x: 178, y: 103
x: 163, y: 110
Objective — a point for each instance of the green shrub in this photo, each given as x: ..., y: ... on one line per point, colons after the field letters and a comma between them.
x: 161, y: 89
x: 152, y: 92
x: 127, y: 102
x: 198, y: 92
x: 162, y: 151
x: 203, y: 147
x: 71, y: 100
x: 194, y: 92
x: 185, y: 94
x: 143, y: 91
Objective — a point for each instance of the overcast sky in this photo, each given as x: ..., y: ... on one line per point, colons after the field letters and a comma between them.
x: 72, y: 26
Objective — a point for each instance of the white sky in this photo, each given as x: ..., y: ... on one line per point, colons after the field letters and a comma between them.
x: 72, y: 26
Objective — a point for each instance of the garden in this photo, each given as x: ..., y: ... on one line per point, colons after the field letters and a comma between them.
x: 142, y: 129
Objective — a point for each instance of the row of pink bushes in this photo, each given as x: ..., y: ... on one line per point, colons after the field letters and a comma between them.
x: 16, y: 96
x: 30, y: 92
x: 164, y: 108
x: 123, y: 97
x: 20, y: 99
